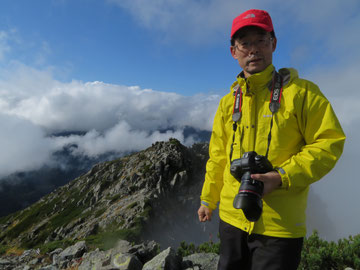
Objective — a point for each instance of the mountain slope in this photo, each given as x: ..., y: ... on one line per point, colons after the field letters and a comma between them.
x: 116, y: 199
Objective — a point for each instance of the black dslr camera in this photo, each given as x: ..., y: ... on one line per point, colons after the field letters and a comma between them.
x: 249, y: 197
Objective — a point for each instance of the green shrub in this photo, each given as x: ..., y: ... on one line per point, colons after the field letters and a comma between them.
x: 187, y: 249
x: 318, y: 254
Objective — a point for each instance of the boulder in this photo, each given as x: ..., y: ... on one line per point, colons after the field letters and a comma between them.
x: 72, y: 252
x: 166, y: 260
x: 201, y: 261
x: 110, y: 260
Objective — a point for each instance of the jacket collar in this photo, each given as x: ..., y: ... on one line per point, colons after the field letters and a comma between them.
x: 257, y: 81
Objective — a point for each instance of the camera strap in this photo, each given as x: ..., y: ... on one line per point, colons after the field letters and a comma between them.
x: 275, y: 99
x: 274, y: 106
x: 236, y: 116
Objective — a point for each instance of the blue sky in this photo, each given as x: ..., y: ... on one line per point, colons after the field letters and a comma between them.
x: 93, y: 40
x: 121, y: 70
x: 175, y: 46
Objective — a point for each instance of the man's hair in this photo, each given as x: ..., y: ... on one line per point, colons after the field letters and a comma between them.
x: 240, y: 34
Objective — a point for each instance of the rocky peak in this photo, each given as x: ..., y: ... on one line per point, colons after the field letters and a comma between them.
x: 119, y: 199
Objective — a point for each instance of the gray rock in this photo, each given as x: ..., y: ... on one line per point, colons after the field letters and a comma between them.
x: 65, y: 258
x: 126, y: 262
x: 28, y: 255
x: 75, y: 251
x: 146, y: 251
x: 166, y: 260
x: 93, y: 260
x: 201, y: 261
x: 110, y: 260
x: 35, y: 261
x: 123, y: 246
x: 49, y: 267
x: 5, y: 264
x: 55, y: 252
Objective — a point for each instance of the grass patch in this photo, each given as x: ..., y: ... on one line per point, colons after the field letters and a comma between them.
x: 99, y: 212
x: 4, y: 219
x: 48, y: 247
x: 65, y: 217
x: 14, y: 251
x: 174, y: 141
x: 4, y: 249
x: 132, y: 205
x: 114, y: 198
x: 107, y: 240
x: 32, y: 216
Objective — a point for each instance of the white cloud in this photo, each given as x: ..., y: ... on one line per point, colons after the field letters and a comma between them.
x: 78, y: 106
x: 112, y: 117
x: 196, y: 21
x: 192, y: 21
x: 23, y: 145
x: 119, y: 138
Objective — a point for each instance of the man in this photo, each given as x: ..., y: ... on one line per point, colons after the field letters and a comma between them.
x: 298, y: 133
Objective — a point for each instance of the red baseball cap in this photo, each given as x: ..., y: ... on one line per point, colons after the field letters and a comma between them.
x: 254, y: 17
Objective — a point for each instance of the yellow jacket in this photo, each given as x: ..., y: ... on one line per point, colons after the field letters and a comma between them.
x: 307, y: 140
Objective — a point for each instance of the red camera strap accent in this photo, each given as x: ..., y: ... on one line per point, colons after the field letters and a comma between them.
x: 274, y: 106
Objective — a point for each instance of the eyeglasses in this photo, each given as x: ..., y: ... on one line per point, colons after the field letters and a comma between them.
x: 245, y: 46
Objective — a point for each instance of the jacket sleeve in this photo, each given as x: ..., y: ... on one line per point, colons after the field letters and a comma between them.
x: 324, y: 141
x: 215, y: 166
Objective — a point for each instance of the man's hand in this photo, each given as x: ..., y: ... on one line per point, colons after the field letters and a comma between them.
x: 271, y: 180
x: 204, y: 213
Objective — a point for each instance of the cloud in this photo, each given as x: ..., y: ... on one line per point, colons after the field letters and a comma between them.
x: 120, y: 138
x: 196, y: 21
x: 109, y: 117
x: 23, y: 145
x: 76, y: 106
x: 187, y: 20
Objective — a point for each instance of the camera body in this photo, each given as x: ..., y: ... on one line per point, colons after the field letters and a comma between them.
x: 250, y: 192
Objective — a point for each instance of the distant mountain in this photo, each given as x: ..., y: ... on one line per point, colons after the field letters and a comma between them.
x: 152, y: 194
x: 19, y: 190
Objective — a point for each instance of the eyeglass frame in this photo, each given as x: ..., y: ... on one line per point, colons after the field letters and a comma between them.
x: 266, y: 41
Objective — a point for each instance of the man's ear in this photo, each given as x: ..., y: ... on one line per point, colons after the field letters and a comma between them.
x: 274, y: 42
x: 233, y: 52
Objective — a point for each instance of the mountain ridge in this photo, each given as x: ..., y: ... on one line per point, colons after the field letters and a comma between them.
x: 114, y: 200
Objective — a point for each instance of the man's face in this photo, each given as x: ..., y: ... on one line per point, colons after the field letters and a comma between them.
x: 253, y: 50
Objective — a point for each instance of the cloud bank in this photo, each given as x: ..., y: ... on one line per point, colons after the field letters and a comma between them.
x: 95, y: 116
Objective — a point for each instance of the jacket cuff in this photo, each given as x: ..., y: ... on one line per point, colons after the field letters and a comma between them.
x: 208, y: 204
x: 285, y: 182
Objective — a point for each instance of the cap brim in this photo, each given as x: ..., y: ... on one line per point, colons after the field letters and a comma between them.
x: 265, y: 27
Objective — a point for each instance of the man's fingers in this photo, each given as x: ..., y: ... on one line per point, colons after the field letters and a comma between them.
x: 204, y: 214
